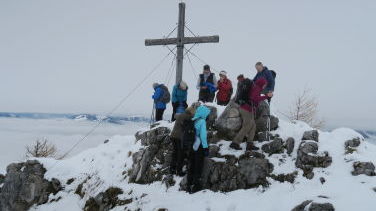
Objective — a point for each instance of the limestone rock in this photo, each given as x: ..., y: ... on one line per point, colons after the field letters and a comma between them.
x: 229, y: 123
x: 152, y: 162
x: 311, y: 135
x: 107, y: 200
x: 308, y: 158
x: 262, y: 123
x: 24, y: 185
x: 353, y: 143
x: 366, y: 168
x: 274, y: 147
x: 290, y: 144
x: 264, y: 136
x: 313, y: 206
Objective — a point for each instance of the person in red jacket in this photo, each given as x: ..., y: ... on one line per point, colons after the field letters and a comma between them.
x: 247, y: 113
x: 224, y: 89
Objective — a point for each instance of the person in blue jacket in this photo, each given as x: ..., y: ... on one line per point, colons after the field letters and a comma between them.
x: 179, y: 99
x: 160, y: 106
x: 264, y: 72
x: 200, y: 149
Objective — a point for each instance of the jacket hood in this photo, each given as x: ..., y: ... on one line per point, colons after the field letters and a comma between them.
x: 261, y: 82
x: 157, y: 85
x: 202, y: 112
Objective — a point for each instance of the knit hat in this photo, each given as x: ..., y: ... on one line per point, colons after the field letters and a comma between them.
x: 155, y: 85
x: 206, y: 67
x: 183, y: 85
x: 223, y: 73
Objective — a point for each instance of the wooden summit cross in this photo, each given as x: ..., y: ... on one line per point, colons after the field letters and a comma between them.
x: 180, y: 41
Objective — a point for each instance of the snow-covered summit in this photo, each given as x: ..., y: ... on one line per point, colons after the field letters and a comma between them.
x: 102, y: 174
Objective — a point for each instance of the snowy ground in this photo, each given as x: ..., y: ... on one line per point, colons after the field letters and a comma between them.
x: 16, y: 134
x: 104, y: 166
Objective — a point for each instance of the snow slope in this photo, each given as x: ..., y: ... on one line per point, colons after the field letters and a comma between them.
x: 17, y: 133
x: 105, y: 166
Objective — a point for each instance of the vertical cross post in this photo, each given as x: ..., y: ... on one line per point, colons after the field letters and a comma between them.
x: 180, y: 41
x: 180, y: 44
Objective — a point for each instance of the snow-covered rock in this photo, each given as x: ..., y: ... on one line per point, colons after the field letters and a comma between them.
x: 24, y: 185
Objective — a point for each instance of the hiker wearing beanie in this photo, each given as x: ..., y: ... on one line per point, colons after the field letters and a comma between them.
x: 161, y: 97
x: 179, y: 99
x: 224, y: 89
x: 181, y: 145
x: 207, y: 84
x: 247, y: 113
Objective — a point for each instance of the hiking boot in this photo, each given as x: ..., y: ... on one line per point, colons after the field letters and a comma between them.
x: 251, y: 147
x: 235, y: 146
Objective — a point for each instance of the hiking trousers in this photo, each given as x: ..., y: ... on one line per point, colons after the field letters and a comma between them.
x: 248, y: 129
x: 178, y: 156
x: 206, y: 96
x: 196, y: 164
x: 159, y: 114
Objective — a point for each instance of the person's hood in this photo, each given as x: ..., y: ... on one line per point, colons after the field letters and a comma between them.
x: 261, y: 82
x: 202, y: 112
x: 158, y: 85
x: 155, y: 85
x: 183, y: 85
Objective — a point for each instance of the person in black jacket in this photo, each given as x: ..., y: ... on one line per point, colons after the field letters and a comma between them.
x: 207, y: 84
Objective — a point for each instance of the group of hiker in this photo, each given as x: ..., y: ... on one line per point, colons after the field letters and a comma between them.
x: 189, y: 134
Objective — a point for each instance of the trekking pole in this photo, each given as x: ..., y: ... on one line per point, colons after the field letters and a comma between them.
x: 268, y: 122
x: 152, y: 115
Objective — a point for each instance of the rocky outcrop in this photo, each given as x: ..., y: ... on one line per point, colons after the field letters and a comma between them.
x: 221, y: 173
x: 107, y: 200
x: 366, y: 168
x: 151, y: 163
x: 309, y: 205
x: 351, y: 145
x: 311, y: 135
x: 24, y: 185
x: 230, y: 122
x: 308, y: 158
x: 231, y: 173
x: 274, y: 147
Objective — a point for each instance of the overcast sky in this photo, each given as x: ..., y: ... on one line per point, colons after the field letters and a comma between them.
x: 85, y: 56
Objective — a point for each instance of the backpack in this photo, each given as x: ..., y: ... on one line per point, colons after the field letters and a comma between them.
x: 274, y: 74
x: 189, y: 134
x: 243, y: 92
x: 166, y: 97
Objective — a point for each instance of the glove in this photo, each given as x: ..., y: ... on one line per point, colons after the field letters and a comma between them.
x: 206, y: 152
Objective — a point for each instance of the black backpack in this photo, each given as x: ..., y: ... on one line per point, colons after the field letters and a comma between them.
x: 166, y: 97
x: 274, y: 74
x: 189, y: 134
x: 243, y: 92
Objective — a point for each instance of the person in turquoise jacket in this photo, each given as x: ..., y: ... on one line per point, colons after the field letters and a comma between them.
x: 179, y: 99
x: 200, y: 149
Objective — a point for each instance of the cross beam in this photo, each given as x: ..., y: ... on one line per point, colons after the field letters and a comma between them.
x: 180, y: 41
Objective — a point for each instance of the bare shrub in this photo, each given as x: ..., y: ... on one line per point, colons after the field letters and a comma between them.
x: 41, y: 148
x: 305, y: 108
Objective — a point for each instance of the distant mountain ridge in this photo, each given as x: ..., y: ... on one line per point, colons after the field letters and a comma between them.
x: 87, y: 117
